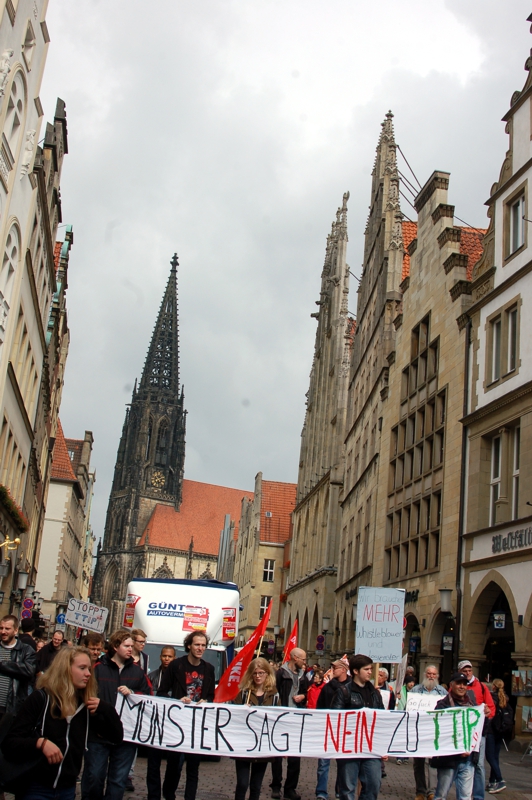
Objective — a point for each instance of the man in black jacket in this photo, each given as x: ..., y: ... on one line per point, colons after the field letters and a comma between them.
x: 360, y: 693
x: 292, y: 685
x: 17, y: 667
x: 189, y: 679
x: 46, y: 654
x: 116, y: 673
x: 339, y: 679
x: 459, y: 768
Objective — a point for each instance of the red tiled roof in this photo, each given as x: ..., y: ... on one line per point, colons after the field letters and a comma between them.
x: 61, y: 463
x: 278, y: 500
x: 75, y: 447
x: 201, y: 517
x: 471, y: 246
x: 409, y: 234
x: 57, y: 254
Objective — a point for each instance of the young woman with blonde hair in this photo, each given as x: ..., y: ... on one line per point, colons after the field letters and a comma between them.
x: 257, y: 688
x: 500, y: 726
x: 56, y: 720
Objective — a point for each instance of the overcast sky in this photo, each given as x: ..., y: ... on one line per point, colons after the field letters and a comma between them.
x: 228, y: 130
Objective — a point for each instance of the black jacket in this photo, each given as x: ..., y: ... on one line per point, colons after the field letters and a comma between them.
x: 284, y: 685
x: 35, y: 720
x: 46, y: 655
x: 351, y: 697
x: 25, y: 638
x: 452, y: 761
x: 110, y: 678
x: 328, y: 693
x: 21, y: 670
x: 174, y: 682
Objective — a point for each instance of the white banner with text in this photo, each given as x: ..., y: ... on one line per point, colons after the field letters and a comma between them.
x: 255, y: 732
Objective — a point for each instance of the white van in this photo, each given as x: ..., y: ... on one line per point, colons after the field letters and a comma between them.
x: 168, y: 610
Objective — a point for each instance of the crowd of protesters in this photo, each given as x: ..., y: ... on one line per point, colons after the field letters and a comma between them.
x: 58, y: 718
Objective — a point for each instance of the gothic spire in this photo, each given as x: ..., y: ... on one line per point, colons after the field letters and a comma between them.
x: 161, y: 368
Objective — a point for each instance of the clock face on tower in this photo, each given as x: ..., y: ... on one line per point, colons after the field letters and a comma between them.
x: 158, y: 480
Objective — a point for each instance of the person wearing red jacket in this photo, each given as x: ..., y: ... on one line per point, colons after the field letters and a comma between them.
x: 482, y: 695
x: 314, y: 690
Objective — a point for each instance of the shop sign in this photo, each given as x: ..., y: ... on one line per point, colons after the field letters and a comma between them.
x: 412, y: 596
x: 447, y: 642
x: 499, y: 621
x: 514, y: 540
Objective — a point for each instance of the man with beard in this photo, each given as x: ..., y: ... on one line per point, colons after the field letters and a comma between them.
x: 426, y: 786
x: 339, y: 679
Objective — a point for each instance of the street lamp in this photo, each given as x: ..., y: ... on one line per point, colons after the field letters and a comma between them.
x: 22, y: 580
x: 445, y: 600
x: 325, y: 622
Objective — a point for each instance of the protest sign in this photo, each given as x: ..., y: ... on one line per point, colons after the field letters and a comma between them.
x: 86, y: 615
x: 254, y: 732
x: 379, y: 631
x: 415, y: 701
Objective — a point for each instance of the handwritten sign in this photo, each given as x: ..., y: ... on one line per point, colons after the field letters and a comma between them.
x: 254, y: 732
x: 379, y: 632
x: 86, y: 615
x: 417, y: 701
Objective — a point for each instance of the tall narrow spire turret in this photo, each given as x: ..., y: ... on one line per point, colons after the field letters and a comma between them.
x: 161, y: 368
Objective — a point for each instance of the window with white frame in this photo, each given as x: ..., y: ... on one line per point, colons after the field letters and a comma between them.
x: 515, y: 472
x: 495, y: 482
x: 517, y: 223
x: 264, y: 603
x: 502, y: 343
x: 268, y: 573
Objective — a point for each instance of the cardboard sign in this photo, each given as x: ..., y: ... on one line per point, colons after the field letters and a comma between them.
x: 262, y: 732
x: 229, y: 623
x: 195, y: 618
x: 379, y: 632
x: 417, y: 701
x: 86, y: 615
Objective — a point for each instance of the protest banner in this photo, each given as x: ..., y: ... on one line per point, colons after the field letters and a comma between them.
x: 254, y: 732
x: 86, y: 615
x: 379, y: 631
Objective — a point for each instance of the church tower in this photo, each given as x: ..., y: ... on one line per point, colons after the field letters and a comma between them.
x: 150, y: 460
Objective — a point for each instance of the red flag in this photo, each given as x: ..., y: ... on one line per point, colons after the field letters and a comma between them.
x: 228, y: 686
x: 291, y: 643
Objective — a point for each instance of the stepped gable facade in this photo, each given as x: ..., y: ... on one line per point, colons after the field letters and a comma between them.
x: 316, y: 519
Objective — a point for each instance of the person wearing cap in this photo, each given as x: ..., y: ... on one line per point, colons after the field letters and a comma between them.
x: 459, y: 768
x: 426, y: 787
x: 482, y: 695
x: 340, y: 678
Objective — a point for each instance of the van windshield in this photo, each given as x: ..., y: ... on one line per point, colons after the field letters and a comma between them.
x: 214, y: 657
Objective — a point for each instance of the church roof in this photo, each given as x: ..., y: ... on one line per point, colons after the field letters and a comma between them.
x: 278, y: 502
x: 61, y: 463
x: 409, y: 234
x: 201, y: 517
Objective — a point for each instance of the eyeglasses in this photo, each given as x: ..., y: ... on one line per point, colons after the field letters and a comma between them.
x: 140, y: 641
x: 259, y: 672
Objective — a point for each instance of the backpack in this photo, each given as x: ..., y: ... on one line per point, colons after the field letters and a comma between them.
x: 503, y: 721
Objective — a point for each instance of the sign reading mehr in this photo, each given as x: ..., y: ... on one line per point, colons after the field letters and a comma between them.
x: 255, y: 732
x: 379, y: 632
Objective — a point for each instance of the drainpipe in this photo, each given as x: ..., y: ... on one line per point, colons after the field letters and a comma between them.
x: 461, y: 522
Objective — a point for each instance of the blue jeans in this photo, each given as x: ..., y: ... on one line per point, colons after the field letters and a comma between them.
x: 351, y: 770
x: 479, y: 783
x: 106, y: 760
x: 493, y: 748
x: 463, y: 774
x: 36, y: 792
x: 322, y: 777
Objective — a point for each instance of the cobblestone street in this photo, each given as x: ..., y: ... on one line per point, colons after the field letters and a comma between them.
x: 217, y: 780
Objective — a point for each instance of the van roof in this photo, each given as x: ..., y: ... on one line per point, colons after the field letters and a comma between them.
x: 212, y: 583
